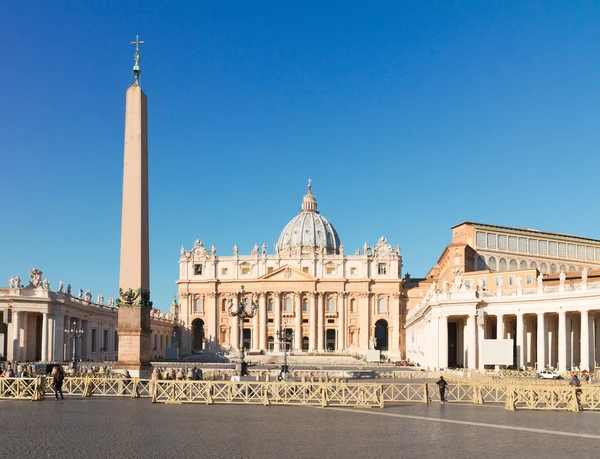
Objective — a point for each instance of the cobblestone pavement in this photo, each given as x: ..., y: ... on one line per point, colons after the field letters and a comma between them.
x: 127, y: 428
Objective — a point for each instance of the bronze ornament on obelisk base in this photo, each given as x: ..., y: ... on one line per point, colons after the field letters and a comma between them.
x: 133, y: 326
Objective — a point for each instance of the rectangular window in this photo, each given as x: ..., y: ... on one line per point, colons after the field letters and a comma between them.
x: 562, y: 249
x: 105, y: 340
x: 589, y: 253
x: 305, y: 306
x: 522, y: 244
x: 571, y: 250
x: 224, y: 271
x: 511, y: 281
x: 502, y: 241
x: 270, y: 321
x: 353, y: 270
x: 484, y: 283
x: 512, y: 243
x: 304, y: 321
x: 245, y: 270
x: 491, y: 241
x: 480, y: 239
x: 552, y: 248
x: 197, y: 269
x: 543, y: 247
x: 270, y: 306
x: 529, y: 279
x: 270, y: 269
x: 94, y: 339
x: 581, y: 252
x: 330, y: 270
x: 198, y: 305
x: 381, y: 268
x: 533, y: 245
x: 305, y: 269
x: 116, y: 343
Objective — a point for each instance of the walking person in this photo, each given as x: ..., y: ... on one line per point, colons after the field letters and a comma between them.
x: 576, y: 383
x: 442, y: 385
x: 57, y: 382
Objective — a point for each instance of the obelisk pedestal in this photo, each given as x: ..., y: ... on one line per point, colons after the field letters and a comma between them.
x: 134, y: 303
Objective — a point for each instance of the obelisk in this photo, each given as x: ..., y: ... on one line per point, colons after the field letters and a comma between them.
x: 134, y: 303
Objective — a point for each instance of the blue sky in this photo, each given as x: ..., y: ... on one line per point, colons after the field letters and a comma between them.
x: 409, y: 117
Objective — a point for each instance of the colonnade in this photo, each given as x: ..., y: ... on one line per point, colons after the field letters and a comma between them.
x: 561, y: 339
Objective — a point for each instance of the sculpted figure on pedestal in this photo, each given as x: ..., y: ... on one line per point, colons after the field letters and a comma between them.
x: 11, y: 282
x: 46, y: 284
x: 562, y: 277
x: 540, y: 280
x: 60, y: 286
x: 111, y: 302
x: 235, y: 250
x: 88, y: 295
x: 100, y: 299
x: 445, y: 286
x: 213, y: 250
x: 17, y: 282
x: 254, y: 252
x: 584, y: 275
x: 68, y: 289
x: 36, y: 278
x: 264, y: 249
x: 80, y: 294
x: 519, y: 282
x: 341, y: 249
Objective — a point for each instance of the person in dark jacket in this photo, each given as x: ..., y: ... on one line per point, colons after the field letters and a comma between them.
x: 442, y: 385
x: 57, y: 382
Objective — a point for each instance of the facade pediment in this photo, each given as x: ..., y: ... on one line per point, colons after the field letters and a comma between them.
x: 288, y: 273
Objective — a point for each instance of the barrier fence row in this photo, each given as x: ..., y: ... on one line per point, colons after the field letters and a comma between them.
x: 359, y: 394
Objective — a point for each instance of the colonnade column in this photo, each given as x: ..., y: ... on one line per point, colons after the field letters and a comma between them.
x: 520, y: 341
x: 499, y: 326
x: 320, y: 328
x: 395, y: 344
x: 298, y: 322
x: 59, y: 335
x: 541, y: 342
x: 562, y: 341
x: 585, y: 341
x: 213, y: 327
x: 234, y: 342
x: 256, y: 327
x: 364, y: 312
x: 443, y: 342
x: 276, y: 346
x: 44, y: 337
x: 472, y: 342
x: 312, y: 338
x: 262, y: 312
x: 16, y: 316
x: 341, y: 306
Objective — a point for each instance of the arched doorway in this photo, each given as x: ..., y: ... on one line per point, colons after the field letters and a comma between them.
x: 305, y: 344
x: 381, y: 335
x: 330, y: 340
x: 198, y: 334
x: 270, y: 343
x: 247, y: 338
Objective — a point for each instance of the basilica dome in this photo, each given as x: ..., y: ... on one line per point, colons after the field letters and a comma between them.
x: 308, y: 231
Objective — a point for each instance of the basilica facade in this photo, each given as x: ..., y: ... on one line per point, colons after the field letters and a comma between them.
x: 330, y: 300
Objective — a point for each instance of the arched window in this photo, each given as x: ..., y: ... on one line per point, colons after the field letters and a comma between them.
x: 492, y: 263
x: 224, y: 305
x: 533, y: 265
x: 270, y: 305
x: 480, y: 263
x: 513, y: 265
x: 523, y: 264
x: 305, y: 306
x: 543, y: 268
x: 502, y: 264
x: 382, y: 306
x: 330, y: 305
x: 198, y: 305
x: 563, y: 269
x: 571, y: 268
x: 288, y: 304
x: 352, y: 305
x: 552, y: 268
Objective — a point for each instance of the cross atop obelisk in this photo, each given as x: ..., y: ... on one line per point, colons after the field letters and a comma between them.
x: 136, y: 59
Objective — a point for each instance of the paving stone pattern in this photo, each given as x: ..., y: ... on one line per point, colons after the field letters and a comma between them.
x: 127, y: 428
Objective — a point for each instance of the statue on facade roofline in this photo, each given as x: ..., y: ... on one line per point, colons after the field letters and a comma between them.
x: 213, y: 250
x: 254, y: 252
x: 111, y: 303
x: 46, y: 284
x: 60, y: 286
x: 235, y: 250
x: 11, y: 282
x: 35, y: 278
x: 365, y: 248
x: 182, y: 251
x: 88, y: 295
x: 100, y: 299
x: 264, y: 249
x: 341, y: 249
x: 80, y: 294
x: 69, y: 289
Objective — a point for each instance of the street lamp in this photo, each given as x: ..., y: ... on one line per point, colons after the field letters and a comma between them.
x: 74, y: 333
x: 243, y: 311
x: 286, y: 337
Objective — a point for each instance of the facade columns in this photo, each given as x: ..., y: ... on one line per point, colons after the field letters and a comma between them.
x: 499, y: 326
x: 234, y: 342
x: 276, y: 344
x: 562, y: 341
x: 472, y: 341
x: 16, y: 336
x: 341, y: 306
x: 44, y: 337
x: 364, y: 311
x: 541, y: 342
x: 59, y: 335
x: 320, y: 328
x: 312, y: 339
x: 443, y: 342
x: 585, y: 341
x: 255, y: 327
x: 520, y: 341
x: 262, y: 313
x: 395, y: 344
x: 298, y: 322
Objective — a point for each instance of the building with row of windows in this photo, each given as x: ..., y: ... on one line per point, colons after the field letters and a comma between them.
x: 329, y: 299
x: 540, y: 289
